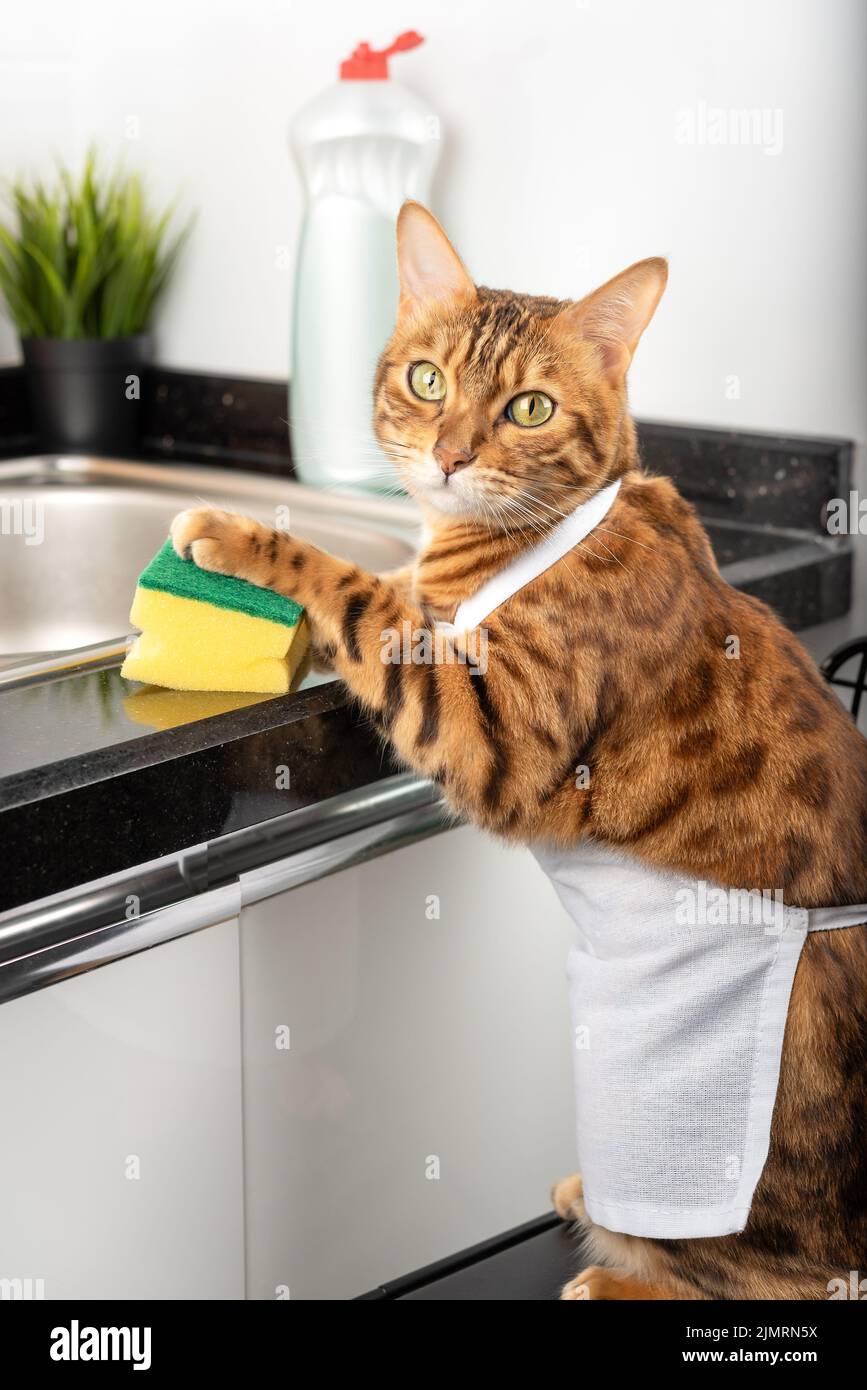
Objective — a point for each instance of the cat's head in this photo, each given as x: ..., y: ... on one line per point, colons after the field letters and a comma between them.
x: 502, y: 406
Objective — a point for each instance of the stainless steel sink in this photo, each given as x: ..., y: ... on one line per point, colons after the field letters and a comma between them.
x: 75, y: 533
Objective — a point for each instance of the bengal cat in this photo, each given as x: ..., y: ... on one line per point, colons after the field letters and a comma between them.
x: 501, y: 412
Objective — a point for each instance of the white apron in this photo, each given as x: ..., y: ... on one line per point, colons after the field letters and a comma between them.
x: 679, y: 992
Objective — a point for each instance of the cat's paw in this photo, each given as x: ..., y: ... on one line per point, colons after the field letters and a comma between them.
x: 590, y: 1283
x: 567, y: 1197
x: 218, y: 541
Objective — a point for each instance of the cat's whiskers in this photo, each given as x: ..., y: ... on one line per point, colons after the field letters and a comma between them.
x: 487, y: 518
x: 619, y: 534
x: 529, y: 521
x: 607, y: 529
x: 525, y: 511
x: 502, y: 518
x: 592, y: 536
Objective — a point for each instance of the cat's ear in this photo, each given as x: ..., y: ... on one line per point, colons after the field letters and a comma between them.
x: 429, y: 267
x: 615, y: 316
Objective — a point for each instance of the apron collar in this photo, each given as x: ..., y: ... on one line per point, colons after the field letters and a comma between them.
x: 531, y: 563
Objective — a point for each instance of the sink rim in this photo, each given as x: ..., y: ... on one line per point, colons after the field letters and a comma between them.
x: 59, y: 470
x: 393, y: 517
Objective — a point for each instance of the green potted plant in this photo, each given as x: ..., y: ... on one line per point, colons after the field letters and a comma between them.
x: 81, y: 273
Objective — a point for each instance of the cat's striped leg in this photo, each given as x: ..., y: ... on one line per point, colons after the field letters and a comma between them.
x: 444, y: 715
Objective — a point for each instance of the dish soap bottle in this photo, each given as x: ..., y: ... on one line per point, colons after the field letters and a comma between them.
x: 362, y: 147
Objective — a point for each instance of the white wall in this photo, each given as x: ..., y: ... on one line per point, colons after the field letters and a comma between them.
x: 561, y: 164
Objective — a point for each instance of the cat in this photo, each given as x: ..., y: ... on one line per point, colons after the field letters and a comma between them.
x: 501, y: 413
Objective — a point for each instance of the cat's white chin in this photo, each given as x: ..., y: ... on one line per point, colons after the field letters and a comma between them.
x: 454, y: 497
x: 447, y: 499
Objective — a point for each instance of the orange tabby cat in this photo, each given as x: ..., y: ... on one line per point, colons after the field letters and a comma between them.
x: 501, y: 412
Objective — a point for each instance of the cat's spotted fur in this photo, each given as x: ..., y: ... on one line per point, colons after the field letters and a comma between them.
x: 745, y: 772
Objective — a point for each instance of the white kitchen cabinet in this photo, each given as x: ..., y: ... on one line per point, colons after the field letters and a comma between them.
x: 121, y: 1151
x: 424, y: 1101
x: 372, y: 1073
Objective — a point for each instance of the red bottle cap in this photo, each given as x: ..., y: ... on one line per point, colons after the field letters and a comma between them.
x: 369, y: 65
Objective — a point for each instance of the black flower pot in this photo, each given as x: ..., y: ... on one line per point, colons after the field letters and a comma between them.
x: 85, y: 393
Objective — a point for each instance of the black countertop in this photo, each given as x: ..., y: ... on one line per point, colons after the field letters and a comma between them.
x: 121, y: 794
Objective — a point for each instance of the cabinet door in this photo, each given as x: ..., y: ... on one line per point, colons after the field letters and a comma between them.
x: 121, y: 1152
x: 407, y: 1064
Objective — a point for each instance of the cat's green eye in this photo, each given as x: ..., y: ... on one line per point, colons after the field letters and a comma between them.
x: 427, y: 381
x: 531, y: 408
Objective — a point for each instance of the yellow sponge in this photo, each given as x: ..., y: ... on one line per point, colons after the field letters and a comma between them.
x: 203, y: 631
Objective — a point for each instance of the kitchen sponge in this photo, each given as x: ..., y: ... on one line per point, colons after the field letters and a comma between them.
x: 204, y: 631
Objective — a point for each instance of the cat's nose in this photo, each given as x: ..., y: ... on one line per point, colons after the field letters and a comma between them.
x: 450, y: 460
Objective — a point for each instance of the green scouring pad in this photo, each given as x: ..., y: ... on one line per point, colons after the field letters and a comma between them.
x: 204, y: 631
